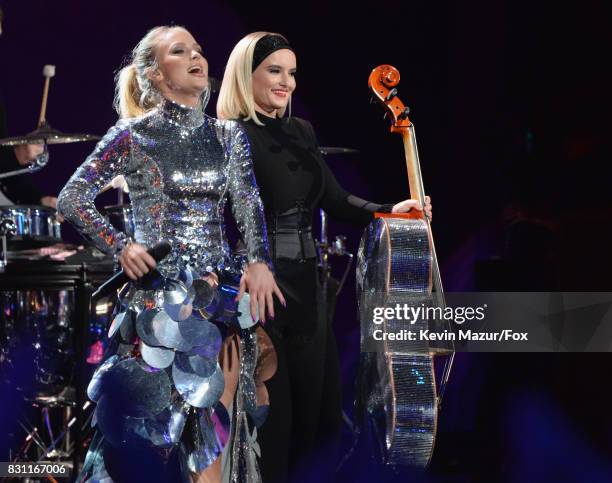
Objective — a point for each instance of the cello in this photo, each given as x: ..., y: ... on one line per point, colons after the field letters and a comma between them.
x: 397, y: 394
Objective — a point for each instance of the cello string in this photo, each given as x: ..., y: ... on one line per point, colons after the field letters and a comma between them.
x: 440, y: 300
x: 436, y: 268
x: 448, y: 364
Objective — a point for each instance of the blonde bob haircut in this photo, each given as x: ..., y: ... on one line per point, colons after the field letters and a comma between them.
x: 236, y: 99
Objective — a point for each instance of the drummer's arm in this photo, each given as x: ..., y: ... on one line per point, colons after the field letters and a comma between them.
x: 26, y: 154
x: 19, y: 189
x: 76, y: 200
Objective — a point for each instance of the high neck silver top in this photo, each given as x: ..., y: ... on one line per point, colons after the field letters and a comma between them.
x: 180, y: 115
x: 180, y: 166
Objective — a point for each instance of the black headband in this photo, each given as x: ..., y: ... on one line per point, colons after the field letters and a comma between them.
x: 266, y: 45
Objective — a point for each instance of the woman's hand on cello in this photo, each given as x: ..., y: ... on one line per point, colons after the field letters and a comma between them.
x: 407, y: 205
x: 135, y: 261
x: 259, y: 281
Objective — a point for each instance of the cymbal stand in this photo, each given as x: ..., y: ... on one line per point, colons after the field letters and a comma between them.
x: 7, y: 228
x: 337, y: 248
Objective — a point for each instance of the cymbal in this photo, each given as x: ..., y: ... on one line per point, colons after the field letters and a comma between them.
x: 335, y: 150
x: 48, y: 135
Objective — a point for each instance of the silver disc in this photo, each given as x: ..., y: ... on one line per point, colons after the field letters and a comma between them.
x: 117, y: 321
x: 136, y: 388
x: 109, y: 423
x: 158, y: 357
x: 95, y: 389
x: 202, y: 333
x: 166, y: 428
x: 198, y: 391
x: 157, y: 329
x: 186, y: 276
x: 144, y: 327
x: 178, y: 312
x: 206, y: 297
x: 175, y: 292
x: 127, y: 330
x: 201, y: 366
x: 117, y: 428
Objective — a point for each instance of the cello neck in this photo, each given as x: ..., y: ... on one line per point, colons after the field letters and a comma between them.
x: 415, y: 180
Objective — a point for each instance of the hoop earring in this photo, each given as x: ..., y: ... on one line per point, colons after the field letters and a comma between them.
x: 289, y: 115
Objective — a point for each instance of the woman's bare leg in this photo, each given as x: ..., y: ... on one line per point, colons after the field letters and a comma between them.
x: 212, y: 474
x: 230, y: 363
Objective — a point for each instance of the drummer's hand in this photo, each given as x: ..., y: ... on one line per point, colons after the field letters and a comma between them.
x: 259, y: 281
x: 135, y: 260
x: 407, y: 205
x: 27, y: 153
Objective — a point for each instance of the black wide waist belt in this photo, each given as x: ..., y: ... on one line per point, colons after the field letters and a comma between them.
x: 290, y: 235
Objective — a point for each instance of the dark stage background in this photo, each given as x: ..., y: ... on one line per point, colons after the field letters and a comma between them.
x: 511, y: 103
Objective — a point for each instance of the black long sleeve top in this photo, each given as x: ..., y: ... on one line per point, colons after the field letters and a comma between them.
x: 290, y: 173
x: 290, y: 169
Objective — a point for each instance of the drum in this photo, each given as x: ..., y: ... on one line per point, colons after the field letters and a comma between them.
x: 45, y: 336
x: 36, y: 339
x: 33, y: 225
x: 121, y: 217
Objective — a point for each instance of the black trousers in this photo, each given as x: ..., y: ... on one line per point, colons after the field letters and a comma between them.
x: 299, y: 439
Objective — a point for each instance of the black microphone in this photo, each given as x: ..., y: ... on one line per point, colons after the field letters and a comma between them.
x: 158, y: 252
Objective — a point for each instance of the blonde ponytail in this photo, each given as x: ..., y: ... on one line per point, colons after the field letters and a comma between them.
x: 134, y: 91
x: 127, y: 93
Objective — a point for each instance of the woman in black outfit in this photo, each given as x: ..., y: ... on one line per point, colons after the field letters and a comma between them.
x: 298, y: 438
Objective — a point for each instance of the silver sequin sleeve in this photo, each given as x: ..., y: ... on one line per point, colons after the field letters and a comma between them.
x: 247, y: 206
x: 76, y: 200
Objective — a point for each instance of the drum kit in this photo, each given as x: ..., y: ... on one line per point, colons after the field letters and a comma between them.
x: 44, y: 313
x: 28, y: 227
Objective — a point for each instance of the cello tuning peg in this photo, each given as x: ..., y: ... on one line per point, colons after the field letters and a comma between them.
x: 392, y: 93
x: 404, y: 114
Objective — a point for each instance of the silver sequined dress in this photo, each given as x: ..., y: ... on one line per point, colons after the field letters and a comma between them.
x: 158, y: 389
x: 180, y: 166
